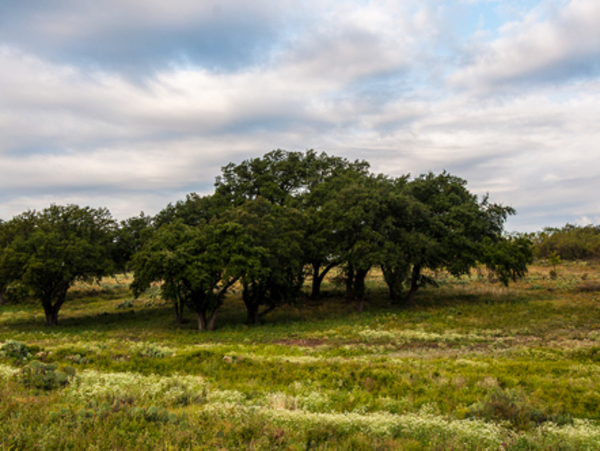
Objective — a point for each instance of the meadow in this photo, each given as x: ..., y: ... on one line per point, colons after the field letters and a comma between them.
x: 471, y: 366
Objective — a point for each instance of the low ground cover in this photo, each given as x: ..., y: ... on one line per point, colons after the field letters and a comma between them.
x: 471, y: 366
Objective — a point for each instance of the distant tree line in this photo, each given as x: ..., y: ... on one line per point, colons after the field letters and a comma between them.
x: 570, y: 242
x: 272, y: 223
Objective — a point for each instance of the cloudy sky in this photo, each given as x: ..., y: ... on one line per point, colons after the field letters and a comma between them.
x: 131, y: 104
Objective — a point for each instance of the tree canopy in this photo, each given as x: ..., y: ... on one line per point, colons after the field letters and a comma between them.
x: 271, y: 223
x: 195, y: 266
x: 57, y: 246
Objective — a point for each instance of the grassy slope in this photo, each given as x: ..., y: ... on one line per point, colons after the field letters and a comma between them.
x: 473, y: 366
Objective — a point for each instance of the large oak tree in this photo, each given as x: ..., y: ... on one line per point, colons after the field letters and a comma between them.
x: 53, y: 248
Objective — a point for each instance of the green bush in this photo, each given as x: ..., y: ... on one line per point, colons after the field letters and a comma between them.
x: 512, y: 407
x: 153, y: 413
x: 16, y: 350
x: 571, y: 242
x: 126, y: 304
x: 46, y: 376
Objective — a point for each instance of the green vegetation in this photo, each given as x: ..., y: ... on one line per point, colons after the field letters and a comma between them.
x: 570, y: 242
x: 391, y: 323
x: 50, y: 250
x: 270, y: 222
x: 471, y: 365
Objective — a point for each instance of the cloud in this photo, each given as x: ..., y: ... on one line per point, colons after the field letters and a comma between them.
x: 138, y: 37
x: 71, y: 131
x: 100, y: 109
x: 548, y: 45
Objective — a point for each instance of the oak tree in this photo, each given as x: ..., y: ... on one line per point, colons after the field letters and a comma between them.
x: 57, y: 246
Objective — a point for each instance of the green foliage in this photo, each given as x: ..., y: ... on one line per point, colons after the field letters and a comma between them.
x: 194, y: 211
x: 451, y: 229
x: 512, y: 407
x: 307, y: 182
x: 472, y: 367
x: 150, y: 351
x: 126, y: 304
x: 271, y: 268
x: 508, y: 258
x: 554, y: 259
x: 56, y: 247
x: 130, y: 237
x: 196, y: 265
x: 11, y: 267
x: 46, y: 376
x: 281, y: 176
x: 571, y: 242
x: 271, y: 221
x: 16, y: 350
x: 154, y: 413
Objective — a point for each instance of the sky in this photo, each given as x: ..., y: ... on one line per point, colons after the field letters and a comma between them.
x: 132, y: 104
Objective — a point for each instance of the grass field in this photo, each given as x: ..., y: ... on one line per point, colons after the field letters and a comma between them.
x: 472, y: 366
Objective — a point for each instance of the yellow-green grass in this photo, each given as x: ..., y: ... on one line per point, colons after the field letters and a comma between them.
x: 471, y: 365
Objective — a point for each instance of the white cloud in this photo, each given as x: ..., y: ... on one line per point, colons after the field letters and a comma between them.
x: 548, y: 44
x: 358, y: 81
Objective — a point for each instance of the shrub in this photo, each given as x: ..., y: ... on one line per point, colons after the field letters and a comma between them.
x: 150, y: 350
x: 16, y: 350
x: 153, y: 413
x: 572, y: 242
x: 46, y: 376
x: 127, y: 303
x: 512, y: 407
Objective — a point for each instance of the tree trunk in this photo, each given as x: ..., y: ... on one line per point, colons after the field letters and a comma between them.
x: 394, y: 278
x: 211, y: 320
x: 178, y: 312
x: 414, y: 285
x: 205, y: 322
x: 253, y: 295
x: 350, y: 282
x: 318, y: 278
x: 360, y: 305
x: 2, y: 294
x: 268, y: 309
x: 253, y: 317
x: 51, y: 314
x: 51, y: 310
x: 359, y: 289
x: 201, y: 320
x: 316, y: 282
x: 359, y: 283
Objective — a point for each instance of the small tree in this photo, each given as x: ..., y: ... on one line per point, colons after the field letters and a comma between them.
x: 196, y: 265
x: 554, y: 259
x: 54, y: 248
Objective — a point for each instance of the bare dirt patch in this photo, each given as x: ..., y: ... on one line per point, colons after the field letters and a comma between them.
x: 589, y: 287
x: 310, y: 343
